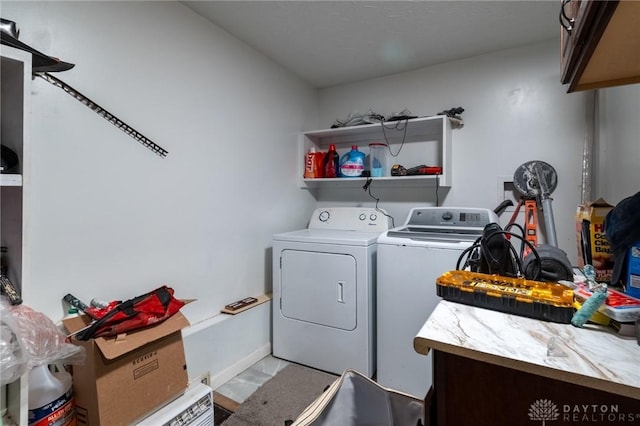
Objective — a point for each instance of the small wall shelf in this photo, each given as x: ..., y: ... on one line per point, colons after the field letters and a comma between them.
x: 380, y: 182
x: 10, y: 180
x: 425, y: 140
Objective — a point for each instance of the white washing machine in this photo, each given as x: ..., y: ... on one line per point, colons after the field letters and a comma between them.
x: 324, y: 290
x: 410, y: 258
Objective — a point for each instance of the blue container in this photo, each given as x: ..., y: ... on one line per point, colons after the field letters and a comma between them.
x: 352, y: 163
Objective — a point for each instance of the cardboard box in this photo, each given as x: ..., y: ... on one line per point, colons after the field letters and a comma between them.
x: 593, y: 246
x: 632, y: 277
x: 126, y: 377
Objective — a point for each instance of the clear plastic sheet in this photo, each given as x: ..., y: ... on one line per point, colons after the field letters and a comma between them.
x: 354, y: 399
x: 13, y: 358
x: 29, y: 339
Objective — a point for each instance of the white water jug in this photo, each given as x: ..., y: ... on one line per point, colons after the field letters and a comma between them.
x: 51, y: 398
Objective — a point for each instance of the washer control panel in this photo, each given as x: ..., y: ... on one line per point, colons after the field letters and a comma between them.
x: 449, y: 217
x: 362, y: 219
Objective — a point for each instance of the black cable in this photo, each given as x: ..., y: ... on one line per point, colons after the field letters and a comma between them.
x: 517, y: 225
x: 367, y: 187
x: 509, y: 226
x: 478, y: 245
x: 395, y: 127
x: 437, y: 190
x: 538, y: 275
x: 475, y: 245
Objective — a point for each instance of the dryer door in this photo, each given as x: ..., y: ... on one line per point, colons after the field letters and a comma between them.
x: 319, y: 288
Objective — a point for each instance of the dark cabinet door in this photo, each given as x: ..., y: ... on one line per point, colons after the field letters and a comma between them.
x: 599, y: 43
x: 470, y: 392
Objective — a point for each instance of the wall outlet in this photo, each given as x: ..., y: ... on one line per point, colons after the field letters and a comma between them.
x: 506, y: 191
x: 204, y: 378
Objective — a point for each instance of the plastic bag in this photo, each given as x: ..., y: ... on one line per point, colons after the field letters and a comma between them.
x: 41, y: 340
x: 354, y: 399
x: 13, y: 358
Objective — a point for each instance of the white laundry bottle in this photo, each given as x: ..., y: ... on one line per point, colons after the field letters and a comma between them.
x: 51, y: 400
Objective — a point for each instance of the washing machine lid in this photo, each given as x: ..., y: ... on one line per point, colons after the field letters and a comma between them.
x: 397, y: 237
x: 446, y: 225
x: 329, y: 236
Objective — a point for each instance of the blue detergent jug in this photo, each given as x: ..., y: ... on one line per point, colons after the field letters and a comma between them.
x: 352, y: 163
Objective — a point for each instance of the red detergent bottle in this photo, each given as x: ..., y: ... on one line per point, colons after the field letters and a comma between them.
x: 331, y: 163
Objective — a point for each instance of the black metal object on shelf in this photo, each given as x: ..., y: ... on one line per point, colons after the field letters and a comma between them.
x: 43, y: 64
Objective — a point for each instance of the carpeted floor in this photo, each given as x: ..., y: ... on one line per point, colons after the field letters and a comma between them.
x: 281, y: 398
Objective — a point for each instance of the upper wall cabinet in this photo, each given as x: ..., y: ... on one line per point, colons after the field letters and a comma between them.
x: 600, y: 43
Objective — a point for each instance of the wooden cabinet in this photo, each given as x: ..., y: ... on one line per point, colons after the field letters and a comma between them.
x: 471, y: 392
x: 600, y: 41
x: 425, y: 140
x: 496, y: 369
x: 15, y: 95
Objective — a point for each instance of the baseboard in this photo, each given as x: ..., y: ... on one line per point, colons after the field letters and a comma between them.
x: 223, y: 346
x: 238, y: 367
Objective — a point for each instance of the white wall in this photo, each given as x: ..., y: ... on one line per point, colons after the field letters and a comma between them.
x: 618, y: 144
x: 226, y: 345
x: 111, y: 219
x: 516, y: 110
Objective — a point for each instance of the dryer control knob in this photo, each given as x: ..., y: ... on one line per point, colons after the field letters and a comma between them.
x: 323, y: 216
x: 447, y: 215
x: 362, y: 216
x: 373, y: 217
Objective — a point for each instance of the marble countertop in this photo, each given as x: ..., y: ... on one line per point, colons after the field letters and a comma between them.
x: 590, y: 356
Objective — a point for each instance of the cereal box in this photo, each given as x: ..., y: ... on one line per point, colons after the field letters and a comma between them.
x: 592, y: 243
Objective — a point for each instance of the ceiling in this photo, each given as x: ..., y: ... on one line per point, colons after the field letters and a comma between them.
x: 328, y: 43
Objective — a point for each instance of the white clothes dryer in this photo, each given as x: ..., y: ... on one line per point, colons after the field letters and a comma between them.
x: 324, y: 290
x: 410, y: 258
